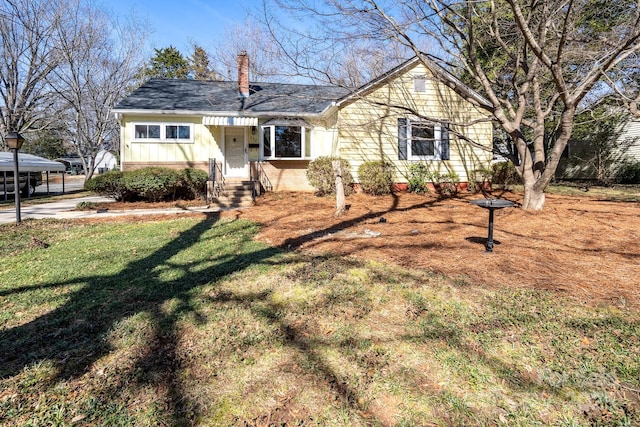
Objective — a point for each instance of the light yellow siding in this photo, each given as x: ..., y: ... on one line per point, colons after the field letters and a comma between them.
x: 368, y: 126
x: 206, y: 144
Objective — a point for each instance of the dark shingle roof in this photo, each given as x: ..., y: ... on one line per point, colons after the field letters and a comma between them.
x: 222, y: 97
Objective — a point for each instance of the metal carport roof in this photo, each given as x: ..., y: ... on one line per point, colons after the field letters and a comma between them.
x: 29, y: 163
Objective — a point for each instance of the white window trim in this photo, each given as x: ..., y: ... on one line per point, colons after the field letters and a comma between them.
x: 163, y: 137
x: 272, y: 133
x: 437, y: 135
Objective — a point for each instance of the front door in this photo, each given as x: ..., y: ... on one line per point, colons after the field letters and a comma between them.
x: 235, y: 153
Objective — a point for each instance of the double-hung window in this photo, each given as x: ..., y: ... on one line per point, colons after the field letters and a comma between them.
x: 163, y: 132
x: 286, y: 141
x: 422, y: 140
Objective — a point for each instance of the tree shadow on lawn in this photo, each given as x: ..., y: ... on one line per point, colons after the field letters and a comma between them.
x: 73, y: 335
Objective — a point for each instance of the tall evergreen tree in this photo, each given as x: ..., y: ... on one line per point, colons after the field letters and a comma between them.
x: 200, y: 66
x: 167, y: 63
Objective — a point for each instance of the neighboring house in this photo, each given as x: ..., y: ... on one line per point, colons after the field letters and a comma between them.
x: 628, y: 143
x: 105, y: 161
x: 590, y: 160
x: 404, y: 116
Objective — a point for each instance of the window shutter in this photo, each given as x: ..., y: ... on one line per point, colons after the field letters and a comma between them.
x: 444, y: 142
x: 402, y: 139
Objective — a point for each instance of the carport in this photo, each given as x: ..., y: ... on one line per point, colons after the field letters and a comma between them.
x: 27, y: 163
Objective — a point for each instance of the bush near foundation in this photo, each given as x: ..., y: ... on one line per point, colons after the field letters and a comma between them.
x: 505, y: 174
x: 418, y: 177
x: 446, y: 184
x: 152, y: 184
x: 110, y: 184
x: 321, y: 177
x: 629, y: 173
x: 376, y: 177
x: 192, y: 184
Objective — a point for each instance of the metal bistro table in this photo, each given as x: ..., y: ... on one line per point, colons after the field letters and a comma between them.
x: 492, y: 205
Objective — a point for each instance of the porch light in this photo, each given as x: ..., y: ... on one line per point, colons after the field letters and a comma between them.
x: 14, y: 141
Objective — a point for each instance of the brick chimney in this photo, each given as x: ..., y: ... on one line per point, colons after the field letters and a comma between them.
x: 243, y: 74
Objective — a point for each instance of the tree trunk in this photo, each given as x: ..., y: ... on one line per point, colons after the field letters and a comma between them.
x: 532, y: 181
x: 533, y: 198
x: 340, y: 202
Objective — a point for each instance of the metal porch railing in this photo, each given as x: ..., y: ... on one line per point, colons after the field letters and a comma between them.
x: 260, y: 182
x: 216, y: 178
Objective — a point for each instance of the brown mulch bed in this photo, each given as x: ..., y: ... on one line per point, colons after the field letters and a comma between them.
x: 585, y: 248
x: 581, y: 247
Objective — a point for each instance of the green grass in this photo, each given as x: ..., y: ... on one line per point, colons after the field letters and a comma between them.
x: 617, y: 192
x: 188, y: 321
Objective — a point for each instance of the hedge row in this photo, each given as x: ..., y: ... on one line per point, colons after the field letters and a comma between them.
x: 152, y: 184
x: 376, y: 177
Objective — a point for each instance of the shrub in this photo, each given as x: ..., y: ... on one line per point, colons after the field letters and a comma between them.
x: 110, y: 184
x: 376, y: 177
x: 446, y: 184
x: 418, y: 176
x: 628, y: 173
x: 320, y: 175
x: 86, y: 206
x: 504, y: 174
x: 192, y: 184
x: 152, y: 183
x: 481, y: 179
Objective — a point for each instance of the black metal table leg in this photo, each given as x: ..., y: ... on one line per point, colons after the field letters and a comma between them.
x: 489, y: 245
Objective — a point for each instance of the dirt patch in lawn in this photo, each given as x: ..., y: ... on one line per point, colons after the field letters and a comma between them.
x: 586, y: 248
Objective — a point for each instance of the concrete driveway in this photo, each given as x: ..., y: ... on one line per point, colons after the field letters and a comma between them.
x: 59, y: 209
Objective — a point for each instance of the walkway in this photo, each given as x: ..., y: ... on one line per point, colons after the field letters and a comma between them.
x: 63, y: 209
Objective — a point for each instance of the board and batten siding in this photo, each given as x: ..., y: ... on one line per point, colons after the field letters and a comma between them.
x: 368, y: 126
x: 205, y: 144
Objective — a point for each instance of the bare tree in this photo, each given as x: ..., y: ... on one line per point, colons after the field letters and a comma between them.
x: 28, y: 54
x: 325, y: 43
x: 100, y: 58
x: 536, y: 63
x: 249, y: 36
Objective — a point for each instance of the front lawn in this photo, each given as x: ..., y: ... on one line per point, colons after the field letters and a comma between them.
x: 192, y: 321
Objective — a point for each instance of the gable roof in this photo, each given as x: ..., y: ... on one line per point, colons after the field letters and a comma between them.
x: 210, y: 97
x: 440, y: 73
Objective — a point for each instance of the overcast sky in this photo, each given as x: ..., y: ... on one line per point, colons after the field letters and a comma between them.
x: 179, y: 22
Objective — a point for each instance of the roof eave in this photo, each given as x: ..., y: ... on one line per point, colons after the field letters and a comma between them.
x: 217, y: 113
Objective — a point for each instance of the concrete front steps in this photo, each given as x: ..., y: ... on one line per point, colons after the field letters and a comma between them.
x: 236, y: 194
